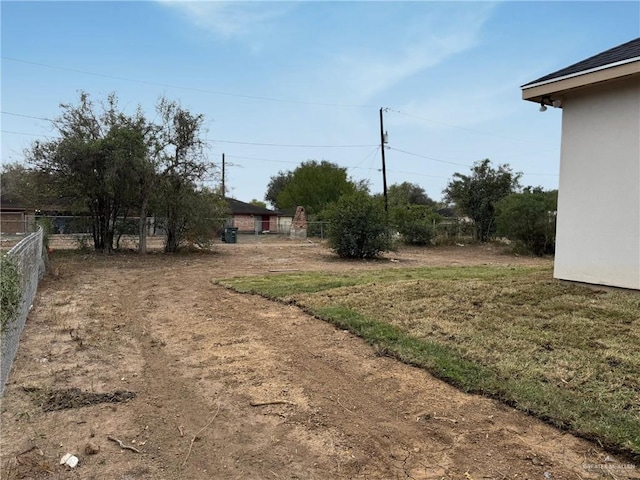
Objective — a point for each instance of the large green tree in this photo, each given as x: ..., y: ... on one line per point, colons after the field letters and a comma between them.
x: 275, y: 186
x: 407, y: 193
x: 92, y: 160
x: 476, y: 195
x: 117, y: 163
x: 314, y: 185
x: 182, y: 162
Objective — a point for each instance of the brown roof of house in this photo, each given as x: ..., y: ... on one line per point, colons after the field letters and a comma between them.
x: 242, y: 208
x: 626, y: 51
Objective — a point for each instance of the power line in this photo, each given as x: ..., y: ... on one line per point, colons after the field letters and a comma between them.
x: 290, y: 145
x: 454, y: 163
x: 25, y: 133
x: 325, y: 146
x: 478, y: 132
x: 193, y: 89
x: 241, y: 157
x: 295, y: 162
x: 306, y: 146
x: 206, y: 141
x: 419, y: 174
x: 429, y: 158
x: 26, y: 116
x: 228, y: 141
x: 255, y: 97
x: 369, y: 155
x: 356, y: 167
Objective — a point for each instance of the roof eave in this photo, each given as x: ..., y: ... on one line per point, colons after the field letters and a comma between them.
x: 536, y: 92
x: 583, y: 72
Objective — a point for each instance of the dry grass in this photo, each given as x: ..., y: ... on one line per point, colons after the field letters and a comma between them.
x: 566, y: 353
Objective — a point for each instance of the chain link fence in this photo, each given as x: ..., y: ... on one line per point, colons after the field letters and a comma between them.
x: 74, y: 232
x: 29, y: 258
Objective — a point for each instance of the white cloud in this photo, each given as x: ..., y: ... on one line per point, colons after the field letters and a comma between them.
x: 358, y: 72
x: 230, y: 19
x: 374, y: 73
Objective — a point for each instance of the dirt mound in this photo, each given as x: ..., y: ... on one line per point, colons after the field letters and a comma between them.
x: 68, y: 398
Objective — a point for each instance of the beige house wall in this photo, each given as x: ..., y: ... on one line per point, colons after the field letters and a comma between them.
x: 598, y: 229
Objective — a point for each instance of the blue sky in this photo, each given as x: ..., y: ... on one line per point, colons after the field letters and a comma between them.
x: 308, y: 78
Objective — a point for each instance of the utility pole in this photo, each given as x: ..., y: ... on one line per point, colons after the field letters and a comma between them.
x: 223, y: 189
x: 383, y: 141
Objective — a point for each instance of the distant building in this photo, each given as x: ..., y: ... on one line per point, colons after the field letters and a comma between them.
x: 13, y: 217
x: 249, y: 218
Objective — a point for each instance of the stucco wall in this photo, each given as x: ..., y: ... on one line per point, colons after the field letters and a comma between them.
x: 598, y: 233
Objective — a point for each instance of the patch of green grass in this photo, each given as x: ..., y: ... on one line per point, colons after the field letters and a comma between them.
x: 287, y: 284
x: 566, y: 353
x: 10, y: 292
x: 392, y: 340
x: 283, y: 286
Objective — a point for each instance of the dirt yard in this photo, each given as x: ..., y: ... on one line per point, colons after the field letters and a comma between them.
x: 145, y: 369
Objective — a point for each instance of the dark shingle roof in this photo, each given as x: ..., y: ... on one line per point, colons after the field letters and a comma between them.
x: 622, y: 52
x: 242, y: 208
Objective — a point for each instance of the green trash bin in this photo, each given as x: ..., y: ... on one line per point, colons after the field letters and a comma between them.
x: 231, y: 234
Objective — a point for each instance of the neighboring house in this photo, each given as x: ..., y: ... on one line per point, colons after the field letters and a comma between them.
x: 247, y: 217
x: 13, y: 217
x: 598, y: 227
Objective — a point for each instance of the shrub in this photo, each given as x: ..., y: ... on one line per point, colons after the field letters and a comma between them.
x: 83, y: 243
x: 454, y: 231
x: 529, y: 219
x: 47, y: 229
x: 205, y: 219
x: 358, y: 227
x: 11, y: 291
x: 415, y: 223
